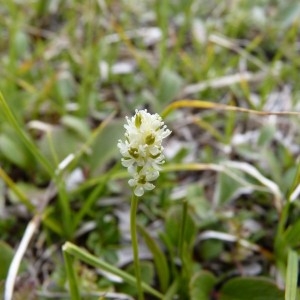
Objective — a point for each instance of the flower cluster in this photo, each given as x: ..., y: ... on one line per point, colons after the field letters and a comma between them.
x: 142, y: 149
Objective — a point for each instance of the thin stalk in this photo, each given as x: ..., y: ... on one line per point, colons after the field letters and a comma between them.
x: 73, y: 283
x: 135, y: 246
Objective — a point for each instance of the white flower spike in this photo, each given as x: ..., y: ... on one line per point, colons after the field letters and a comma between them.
x: 142, y: 149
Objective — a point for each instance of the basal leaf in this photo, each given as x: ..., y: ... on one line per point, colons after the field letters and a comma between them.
x: 257, y: 288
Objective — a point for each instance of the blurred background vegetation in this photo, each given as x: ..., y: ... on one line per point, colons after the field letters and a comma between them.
x: 70, y: 73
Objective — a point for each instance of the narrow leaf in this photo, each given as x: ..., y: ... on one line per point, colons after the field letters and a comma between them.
x: 159, y: 259
x: 291, y: 276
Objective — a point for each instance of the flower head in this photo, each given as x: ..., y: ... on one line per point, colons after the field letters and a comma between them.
x: 142, y: 149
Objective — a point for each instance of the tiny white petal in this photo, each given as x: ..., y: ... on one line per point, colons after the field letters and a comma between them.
x: 132, y: 170
x: 152, y: 175
x: 132, y: 182
x: 127, y: 162
x: 149, y: 186
x: 139, y: 191
x: 154, y: 150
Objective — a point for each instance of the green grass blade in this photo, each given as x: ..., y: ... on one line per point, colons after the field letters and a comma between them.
x: 92, y: 260
x: 291, y: 276
x: 73, y: 282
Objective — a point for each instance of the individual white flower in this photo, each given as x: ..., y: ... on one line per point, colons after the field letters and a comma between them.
x: 140, y: 181
x: 142, y: 149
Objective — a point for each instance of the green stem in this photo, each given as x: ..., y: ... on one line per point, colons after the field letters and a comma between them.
x: 135, y: 246
x: 73, y: 284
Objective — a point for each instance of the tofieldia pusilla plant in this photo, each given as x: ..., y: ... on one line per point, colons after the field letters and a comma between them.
x: 142, y: 153
x: 142, y: 149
